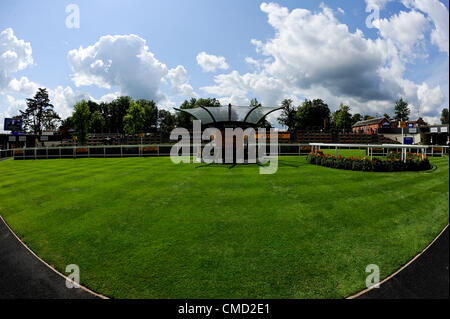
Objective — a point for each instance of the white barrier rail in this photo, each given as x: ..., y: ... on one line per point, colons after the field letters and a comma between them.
x: 164, y: 150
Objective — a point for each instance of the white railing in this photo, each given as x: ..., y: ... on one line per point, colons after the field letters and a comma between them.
x: 164, y: 150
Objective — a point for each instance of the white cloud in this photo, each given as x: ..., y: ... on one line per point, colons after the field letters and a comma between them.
x: 211, y: 63
x: 438, y: 14
x: 22, y: 86
x: 405, y: 29
x: 179, y: 81
x: 15, y: 55
x: 313, y: 55
x: 122, y: 61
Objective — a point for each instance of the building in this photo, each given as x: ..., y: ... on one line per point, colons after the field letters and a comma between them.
x: 370, y: 126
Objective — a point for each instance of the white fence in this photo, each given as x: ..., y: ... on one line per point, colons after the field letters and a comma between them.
x: 164, y: 150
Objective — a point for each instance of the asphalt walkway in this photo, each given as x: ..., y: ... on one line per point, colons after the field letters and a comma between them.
x: 23, y: 276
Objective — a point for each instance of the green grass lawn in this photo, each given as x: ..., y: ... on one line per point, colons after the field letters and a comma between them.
x: 147, y: 228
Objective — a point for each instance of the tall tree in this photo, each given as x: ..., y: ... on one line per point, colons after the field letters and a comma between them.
x: 287, y: 117
x: 39, y: 113
x: 97, y: 122
x: 356, y: 118
x: 135, y: 118
x: 119, y: 108
x: 81, y: 118
x: 150, y: 115
x: 313, y: 115
x: 444, y: 116
x: 183, y: 119
x: 342, y: 119
x: 166, y: 121
x: 368, y: 117
x: 402, y: 110
x: 387, y: 116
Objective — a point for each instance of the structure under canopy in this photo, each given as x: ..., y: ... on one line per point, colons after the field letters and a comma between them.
x: 241, y: 116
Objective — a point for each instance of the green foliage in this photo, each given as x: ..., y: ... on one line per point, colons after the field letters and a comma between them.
x: 402, y: 110
x: 356, y: 118
x: 392, y: 162
x: 312, y: 115
x: 288, y: 115
x: 150, y: 115
x: 342, y: 119
x: 444, y: 116
x: 96, y: 123
x: 39, y: 114
x: 81, y: 118
x: 135, y: 119
x: 166, y: 122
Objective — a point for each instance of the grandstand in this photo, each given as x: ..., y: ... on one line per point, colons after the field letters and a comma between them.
x: 342, y: 138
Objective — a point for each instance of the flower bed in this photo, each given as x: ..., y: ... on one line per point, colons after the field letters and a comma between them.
x: 391, y: 163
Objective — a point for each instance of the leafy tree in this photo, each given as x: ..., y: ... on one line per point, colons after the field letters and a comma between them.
x: 402, y: 110
x: 150, y: 115
x: 81, y: 118
x: 166, y: 121
x: 368, y: 117
x: 97, y: 122
x: 183, y: 119
x: 39, y: 113
x: 50, y: 120
x: 66, y: 125
x: 342, y: 119
x: 387, y: 116
x: 356, y: 118
x: 119, y: 108
x: 135, y: 119
x: 209, y: 102
x: 444, y: 116
x: 287, y: 117
x: 313, y: 115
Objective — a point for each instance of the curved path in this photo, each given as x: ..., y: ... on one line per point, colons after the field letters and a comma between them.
x: 426, y: 277
x: 24, y: 276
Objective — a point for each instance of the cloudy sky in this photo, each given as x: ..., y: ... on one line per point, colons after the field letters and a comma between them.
x: 365, y: 53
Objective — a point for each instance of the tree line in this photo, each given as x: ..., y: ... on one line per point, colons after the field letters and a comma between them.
x: 316, y: 115
x: 127, y: 116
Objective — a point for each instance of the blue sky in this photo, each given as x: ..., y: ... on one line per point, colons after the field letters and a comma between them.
x: 251, y: 49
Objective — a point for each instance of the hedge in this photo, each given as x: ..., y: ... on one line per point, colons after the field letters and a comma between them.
x: 391, y: 163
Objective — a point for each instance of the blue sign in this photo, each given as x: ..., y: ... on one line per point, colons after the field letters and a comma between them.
x: 411, y: 125
x: 408, y: 140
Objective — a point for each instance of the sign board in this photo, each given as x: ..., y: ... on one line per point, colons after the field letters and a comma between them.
x: 44, y: 138
x: 402, y: 124
x: 408, y: 140
x: 141, y: 135
x: 11, y: 138
x: 444, y: 129
x: 14, y: 125
x: 410, y: 125
x: 413, y: 130
x: 22, y: 138
x: 434, y: 130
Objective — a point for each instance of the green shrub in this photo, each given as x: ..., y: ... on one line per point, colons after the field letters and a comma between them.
x: 393, y: 162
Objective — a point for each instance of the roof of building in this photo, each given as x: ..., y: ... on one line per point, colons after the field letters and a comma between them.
x: 243, y: 114
x: 370, y: 122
